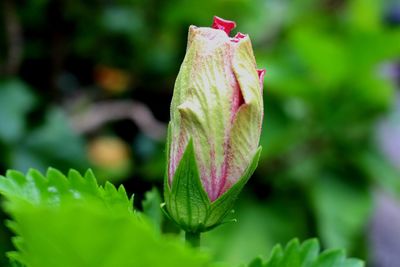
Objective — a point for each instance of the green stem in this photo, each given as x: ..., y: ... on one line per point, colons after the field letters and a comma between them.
x: 193, y: 239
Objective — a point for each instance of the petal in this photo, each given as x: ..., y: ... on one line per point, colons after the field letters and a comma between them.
x: 246, y: 128
x: 239, y: 36
x: 223, y: 24
x: 201, y: 108
x: 261, y: 74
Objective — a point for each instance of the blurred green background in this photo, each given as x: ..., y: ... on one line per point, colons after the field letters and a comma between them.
x: 88, y: 84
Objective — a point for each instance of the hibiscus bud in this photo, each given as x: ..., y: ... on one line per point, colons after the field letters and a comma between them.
x: 214, y: 132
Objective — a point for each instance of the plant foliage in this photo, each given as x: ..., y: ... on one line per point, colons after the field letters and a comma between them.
x: 72, y: 221
x: 306, y: 254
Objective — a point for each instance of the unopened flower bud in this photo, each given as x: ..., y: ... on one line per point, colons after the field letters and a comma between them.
x: 214, y: 132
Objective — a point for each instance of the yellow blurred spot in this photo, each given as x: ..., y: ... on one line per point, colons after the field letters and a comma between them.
x: 111, y: 79
x: 108, y: 152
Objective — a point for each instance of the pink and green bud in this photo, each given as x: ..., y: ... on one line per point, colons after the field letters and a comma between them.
x: 216, y: 117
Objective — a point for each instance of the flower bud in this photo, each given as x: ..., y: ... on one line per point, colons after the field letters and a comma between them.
x: 214, y: 132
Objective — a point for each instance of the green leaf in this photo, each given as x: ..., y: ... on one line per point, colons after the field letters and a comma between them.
x: 151, y: 207
x: 380, y: 171
x: 69, y: 221
x: 305, y: 255
x: 366, y: 15
x: 54, y: 144
x: 264, y: 224
x: 342, y: 211
x: 16, y: 100
x: 15, y: 264
x: 55, y: 188
x: 257, y: 262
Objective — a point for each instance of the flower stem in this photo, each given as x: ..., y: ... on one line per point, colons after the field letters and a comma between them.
x: 193, y: 239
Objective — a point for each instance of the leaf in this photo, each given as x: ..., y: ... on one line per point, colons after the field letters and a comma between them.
x: 365, y: 15
x: 257, y: 262
x: 54, y: 144
x: 380, y: 170
x: 342, y: 211
x: 16, y: 100
x: 305, y: 255
x: 151, y: 207
x: 15, y: 264
x: 55, y: 189
x: 69, y: 221
x: 264, y: 224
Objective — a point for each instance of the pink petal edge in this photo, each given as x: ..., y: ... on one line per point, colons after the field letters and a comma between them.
x: 261, y: 74
x: 238, y: 37
x: 223, y: 24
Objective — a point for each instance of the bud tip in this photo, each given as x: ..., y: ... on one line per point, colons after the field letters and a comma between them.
x: 223, y: 24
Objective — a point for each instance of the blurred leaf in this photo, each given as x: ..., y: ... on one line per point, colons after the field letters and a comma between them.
x: 14, y: 263
x: 323, y: 56
x: 122, y: 19
x: 151, y: 207
x: 151, y: 156
x: 365, y: 14
x: 5, y: 242
x: 379, y: 170
x: 305, y: 255
x: 342, y: 210
x: 71, y: 221
x: 281, y: 134
x: 16, y: 100
x: 53, y: 144
x: 260, y: 226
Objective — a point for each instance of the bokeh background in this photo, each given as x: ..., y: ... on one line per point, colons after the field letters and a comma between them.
x: 88, y: 84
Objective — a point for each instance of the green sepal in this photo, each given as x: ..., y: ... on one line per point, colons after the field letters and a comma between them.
x: 188, y: 205
x: 187, y: 202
